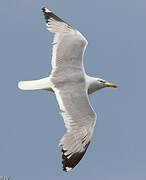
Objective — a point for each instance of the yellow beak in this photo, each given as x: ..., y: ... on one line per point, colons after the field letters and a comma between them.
x: 112, y: 85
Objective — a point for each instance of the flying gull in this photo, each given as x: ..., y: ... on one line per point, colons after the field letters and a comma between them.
x: 71, y: 86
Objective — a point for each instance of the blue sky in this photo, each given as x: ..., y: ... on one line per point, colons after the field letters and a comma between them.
x: 30, y: 124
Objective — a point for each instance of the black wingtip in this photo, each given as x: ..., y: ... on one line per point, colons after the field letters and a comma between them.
x: 45, y: 10
x: 49, y: 14
x: 70, y: 161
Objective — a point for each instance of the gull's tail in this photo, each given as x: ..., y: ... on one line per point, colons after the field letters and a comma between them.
x: 42, y: 84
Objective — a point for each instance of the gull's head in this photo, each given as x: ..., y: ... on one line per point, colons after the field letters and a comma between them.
x: 95, y: 84
x: 103, y: 83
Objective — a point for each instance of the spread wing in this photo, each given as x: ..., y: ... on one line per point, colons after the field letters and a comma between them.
x: 68, y: 45
x: 69, y: 85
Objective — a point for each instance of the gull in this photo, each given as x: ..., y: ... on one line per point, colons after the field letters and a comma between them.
x: 71, y: 86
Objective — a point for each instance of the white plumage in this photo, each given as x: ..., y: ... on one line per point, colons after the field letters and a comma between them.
x: 71, y: 85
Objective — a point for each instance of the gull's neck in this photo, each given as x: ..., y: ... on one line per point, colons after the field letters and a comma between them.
x: 92, y: 84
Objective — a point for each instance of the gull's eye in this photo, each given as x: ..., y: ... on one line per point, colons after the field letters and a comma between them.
x: 102, y: 81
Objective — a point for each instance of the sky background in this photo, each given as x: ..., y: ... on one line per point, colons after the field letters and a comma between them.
x: 30, y: 124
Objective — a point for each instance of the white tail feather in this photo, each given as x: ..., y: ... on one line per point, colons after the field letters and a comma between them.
x: 43, y: 84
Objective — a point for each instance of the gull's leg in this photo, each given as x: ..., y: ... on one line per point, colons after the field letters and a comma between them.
x: 43, y: 84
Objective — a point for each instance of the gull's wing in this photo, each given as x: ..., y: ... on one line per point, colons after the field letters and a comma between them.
x: 68, y: 45
x: 79, y: 119
x: 68, y: 82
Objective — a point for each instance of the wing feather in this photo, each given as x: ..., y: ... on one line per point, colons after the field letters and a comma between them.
x: 69, y: 84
